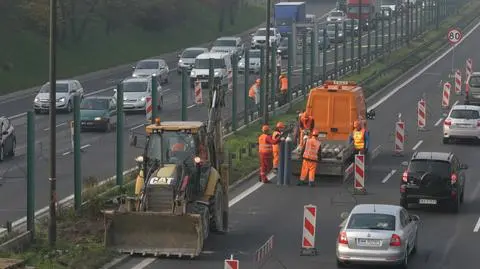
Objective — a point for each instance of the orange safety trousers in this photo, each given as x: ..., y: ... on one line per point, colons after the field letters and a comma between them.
x: 276, y: 155
x: 308, y: 169
x: 265, y: 164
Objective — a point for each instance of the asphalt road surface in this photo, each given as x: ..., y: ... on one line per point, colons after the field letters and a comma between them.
x: 446, y: 241
x: 98, y: 156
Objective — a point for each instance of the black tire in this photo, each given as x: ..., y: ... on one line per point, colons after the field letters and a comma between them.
x: 12, y: 151
x: 446, y: 141
x: 108, y: 127
x: 2, y: 154
x: 166, y: 80
x: 455, y: 206
x: 216, y: 211
x: 69, y: 107
x: 403, y: 203
x: 404, y: 264
x: 461, y: 195
x: 414, y: 249
x: 340, y: 264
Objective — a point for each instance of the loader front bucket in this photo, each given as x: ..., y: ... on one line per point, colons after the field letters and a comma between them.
x: 153, y: 233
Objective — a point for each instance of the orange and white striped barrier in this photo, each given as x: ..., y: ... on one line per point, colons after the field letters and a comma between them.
x: 309, y: 227
x: 458, y: 82
x: 359, y: 182
x: 264, y: 252
x: 230, y: 79
x: 469, y: 67
x: 399, y: 136
x: 232, y: 263
x: 198, y: 93
x: 446, y: 95
x: 348, y: 171
x: 148, y: 108
x: 421, y: 114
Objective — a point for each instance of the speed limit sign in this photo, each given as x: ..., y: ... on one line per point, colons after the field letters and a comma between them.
x: 454, y: 36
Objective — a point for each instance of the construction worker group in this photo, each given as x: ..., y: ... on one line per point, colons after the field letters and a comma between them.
x: 254, y: 91
x: 309, y: 146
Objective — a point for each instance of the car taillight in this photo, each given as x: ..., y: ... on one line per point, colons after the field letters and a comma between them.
x: 453, y: 178
x: 395, y: 241
x: 447, y: 122
x: 342, y: 238
x: 405, y: 176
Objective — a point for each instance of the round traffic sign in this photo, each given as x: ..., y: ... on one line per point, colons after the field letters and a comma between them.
x: 454, y: 36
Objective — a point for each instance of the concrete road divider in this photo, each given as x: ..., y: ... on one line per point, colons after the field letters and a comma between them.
x: 309, y: 231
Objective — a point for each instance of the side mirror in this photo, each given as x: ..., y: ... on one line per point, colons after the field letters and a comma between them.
x: 252, y: 34
x: 464, y: 166
x: 415, y: 218
x: 404, y: 163
x: 133, y: 67
x: 371, y: 114
x: 344, y: 215
x: 179, y: 55
x: 133, y: 140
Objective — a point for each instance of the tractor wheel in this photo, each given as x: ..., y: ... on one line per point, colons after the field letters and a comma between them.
x: 216, y: 222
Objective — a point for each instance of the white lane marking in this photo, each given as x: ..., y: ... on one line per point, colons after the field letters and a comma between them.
x: 190, y: 106
x: 417, y: 145
x: 415, y: 76
x: 456, y: 103
x: 477, y: 226
x: 136, y: 127
x: 58, y: 125
x: 438, y: 122
x: 244, y: 194
x: 66, y: 153
x: 81, y: 148
x: 85, y: 146
x: 387, y: 177
x: 144, y: 263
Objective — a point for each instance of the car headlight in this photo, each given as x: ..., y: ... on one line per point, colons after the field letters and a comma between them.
x: 279, y: 51
x: 143, y: 99
x: 192, y: 74
x: 134, y: 75
x: 124, y: 98
x: 180, y: 61
x: 216, y: 74
x: 36, y: 100
x: 329, y: 19
x: 340, y: 34
x: 61, y: 100
x: 241, y: 64
x: 98, y: 118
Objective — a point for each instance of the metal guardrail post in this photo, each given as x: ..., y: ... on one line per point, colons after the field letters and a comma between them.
x: 119, y: 131
x: 352, y: 42
x: 290, y: 63
x: 313, y: 57
x: 304, y: 59
x: 389, y: 34
x: 281, y: 163
x: 288, y: 161
x: 344, y: 45
x: 246, y: 81
x: 395, y: 16
x: 401, y: 27
x: 274, y: 78
x: 234, y: 90
x: 324, y: 56
x: 383, y: 32
x: 155, y: 98
x: 31, y: 173
x: 335, y: 53
x: 77, y: 156
x: 407, y: 22
x: 263, y: 67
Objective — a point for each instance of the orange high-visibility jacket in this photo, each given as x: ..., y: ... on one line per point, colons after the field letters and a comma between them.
x: 283, y: 84
x: 265, y: 143
x: 312, y: 150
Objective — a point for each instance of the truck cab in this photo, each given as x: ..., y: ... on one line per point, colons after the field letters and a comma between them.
x: 287, y: 13
x: 364, y: 10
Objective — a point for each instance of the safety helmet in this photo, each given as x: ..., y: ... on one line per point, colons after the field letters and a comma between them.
x: 356, y: 124
x: 280, y: 125
x: 265, y: 128
x: 257, y: 81
x: 315, y: 132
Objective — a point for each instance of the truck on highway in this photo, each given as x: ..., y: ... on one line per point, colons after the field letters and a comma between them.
x: 286, y: 13
x: 334, y: 106
x: 368, y: 10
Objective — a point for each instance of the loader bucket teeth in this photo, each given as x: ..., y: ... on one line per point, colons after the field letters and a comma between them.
x: 152, y: 233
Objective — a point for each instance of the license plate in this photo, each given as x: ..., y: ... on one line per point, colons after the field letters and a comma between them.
x: 427, y: 202
x: 203, y: 80
x: 369, y: 242
x: 322, y: 135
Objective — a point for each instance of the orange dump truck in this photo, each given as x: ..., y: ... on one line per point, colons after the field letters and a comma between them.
x: 334, y: 106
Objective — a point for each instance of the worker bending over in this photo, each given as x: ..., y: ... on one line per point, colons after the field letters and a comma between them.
x: 306, y: 122
x: 277, y: 134
x: 283, y: 82
x: 359, y: 138
x: 265, y: 152
x: 311, y: 155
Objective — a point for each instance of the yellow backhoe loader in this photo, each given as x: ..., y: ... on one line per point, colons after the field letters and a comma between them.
x: 182, y: 189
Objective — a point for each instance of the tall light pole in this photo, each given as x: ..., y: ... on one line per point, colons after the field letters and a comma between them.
x: 52, y: 224
x: 267, y: 65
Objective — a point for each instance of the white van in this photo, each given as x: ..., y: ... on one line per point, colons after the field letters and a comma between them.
x: 222, y: 65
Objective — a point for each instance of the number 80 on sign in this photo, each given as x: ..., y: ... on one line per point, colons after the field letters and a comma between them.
x: 454, y: 36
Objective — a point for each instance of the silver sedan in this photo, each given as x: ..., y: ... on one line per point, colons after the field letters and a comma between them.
x: 377, y: 234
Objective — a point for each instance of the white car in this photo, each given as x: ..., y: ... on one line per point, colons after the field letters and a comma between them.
x: 260, y: 36
x: 229, y: 45
x: 135, y: 93
x: 463, y: 122
x: 150, y: 67
x: 336, y: 16
x: 222, y: 66
x: 186, y: 59
x: 377, y: 234
x: 66, y: 90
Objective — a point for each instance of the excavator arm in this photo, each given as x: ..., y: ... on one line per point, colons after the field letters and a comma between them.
x: 215, y: 126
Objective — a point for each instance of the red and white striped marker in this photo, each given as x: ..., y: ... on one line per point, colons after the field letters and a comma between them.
x: 309, y: 226
x: 446, y: 95
x: 198, y: 93
x: 469, y: 67
x: 231, y: 263
x: 359, y: 183
x: 458, y: 82
x: 399, y: 136
x: 148, y: 108
x: 422, y: 114
x: 348, y: 171
x: 230, y: 79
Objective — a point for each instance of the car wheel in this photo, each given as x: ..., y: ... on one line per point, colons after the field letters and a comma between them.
x: 37, y: 111
x: 341, y: 264
x: 108, y: 127
x: 69, y: 107
x: 414, y: 249
x: 446, y: 141
x: 461, y: 196
x: 2, y: 154
x: 455, y: 205
x: 14, y: 145
x: 166, y: 79
x: 403, y: 203
x: 404, y: 264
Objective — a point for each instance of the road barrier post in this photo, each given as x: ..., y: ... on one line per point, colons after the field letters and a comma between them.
x: 348, y: 171
x: 458, y: 82
x: 469, y: 68
x: 376, y: 35
x: 352, y: 43
x: 119, y: 132
x: 273, y: 79
x: 31, y: 173
x: 344, y: 46
x: 290, y: 63
x: 446, y: 95
x: 383, y: 32
x: 313, y: 57
x: 184, y: 96
x: 246, y: 82
x: 335, y: 53
x: 198, y: 93
x: 421, y: 115
x: 369, y: 37
x: 264, y: 252
x: 234, y: 90
x: 417, y: 23
x: 399, y: 136
x: 231, y: 263
x: 395, y: 29
x: 263, y: 67
x: 281, y: 162
x: 155, y: 102
x: 390, y: 33
x: 309, y: 230
x: 359, y: 174
x: 287, y: 160
x: 77, y: 157
x: 148, y: 109
x: 304, y: 59
x: 402, y: 14
x: 359, y: 40
x: 324, y: 56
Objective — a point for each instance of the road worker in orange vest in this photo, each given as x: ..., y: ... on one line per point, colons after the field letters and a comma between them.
x: 359, y: 138
x: 265, y: 153
x: 306, y: 122
x: 283, y: 83
x: 311, y: 155
x: 276, y: 148
x: 254, y: 93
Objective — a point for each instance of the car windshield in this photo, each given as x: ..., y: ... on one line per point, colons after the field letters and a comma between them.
x: 60, y: 87
x: 336, y: 14
x: 254, y: 54
x: 224, y: 43
x: 429, y: 166
x: 474, y: 81
x: 147, y: 65
x: 171, y: 147
x: 355, y: 9
x: 372, y: 221
x: 94, y: 104
x: 205, y: 63
x: 263, y: 32
x: 191, y: 53
x: 135, y: 86
x: 331, y: 27
x: 466, y: 114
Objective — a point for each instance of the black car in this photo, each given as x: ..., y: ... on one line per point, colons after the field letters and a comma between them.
x: 282, y: 49
x: 433, y: 178
x: 8, y: 141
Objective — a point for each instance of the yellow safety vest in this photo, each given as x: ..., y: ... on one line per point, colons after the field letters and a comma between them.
x: 359, y: 139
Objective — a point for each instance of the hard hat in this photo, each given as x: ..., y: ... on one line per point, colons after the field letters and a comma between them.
x: 257, y: 81
x: 265, y: 128
x: 356, y: 124
x: 280, y: 125
x: 315, y: 132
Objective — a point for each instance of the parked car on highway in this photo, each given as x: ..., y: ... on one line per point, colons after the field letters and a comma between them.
x: 66, y: 90
x: 230, y: 45
x: 254, y: 62
x: 8, y: 140
x: 377, y: 234
x: 186, y: 59
x: 462, y: 122
x: 259, y: 37
x: 150, y: 67
x: 348, y: 27
x: 472, y: 97
x: 433, y: 178
x: 222, y: 65
x: 135, y: 93
x: 331, y: 32
x: 336, y: 16
x: 98, y: 112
